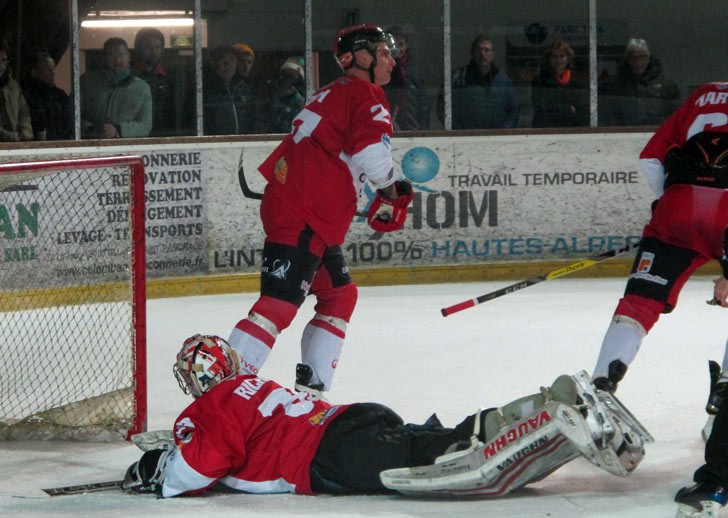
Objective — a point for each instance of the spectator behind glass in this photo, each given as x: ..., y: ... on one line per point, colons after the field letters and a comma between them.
x: 559, y: 98
x: 114, y: 103
x: 15, y: 122
x: 227, y: 101
x: 639, y: 94
x: 406, y: 90
x: 246, y: 60
x: 482, y: 94
x: 147, y: 65
x: 287, y: 96
x: 51, y: 109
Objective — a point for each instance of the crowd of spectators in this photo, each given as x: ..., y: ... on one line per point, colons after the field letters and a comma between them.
x: 134, y: 93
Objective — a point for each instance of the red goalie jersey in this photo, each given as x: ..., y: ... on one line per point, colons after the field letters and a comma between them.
x: 339, y: 140
x: 267, y: 444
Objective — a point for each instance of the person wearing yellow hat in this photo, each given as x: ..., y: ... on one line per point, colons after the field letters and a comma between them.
x: 246, y: 59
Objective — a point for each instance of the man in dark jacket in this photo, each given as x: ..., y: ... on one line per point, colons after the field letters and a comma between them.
x: 482, y: 94
x: 147, y: 65
x: 639, y: 94
x: 51, y: 109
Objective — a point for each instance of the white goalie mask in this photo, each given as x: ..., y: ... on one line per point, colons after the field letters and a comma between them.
x: 203, y: 362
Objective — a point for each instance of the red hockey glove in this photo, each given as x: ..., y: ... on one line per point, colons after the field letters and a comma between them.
x: 386, y: 215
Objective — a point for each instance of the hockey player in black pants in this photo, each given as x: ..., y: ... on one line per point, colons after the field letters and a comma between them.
x: 710, y: 492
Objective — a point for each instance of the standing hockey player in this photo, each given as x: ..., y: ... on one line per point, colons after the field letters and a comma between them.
x: 253, y: 435
x: 338, y: 141
x: 686, y: 165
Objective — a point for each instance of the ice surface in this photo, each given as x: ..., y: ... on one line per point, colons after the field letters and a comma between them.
x: 401, y: 352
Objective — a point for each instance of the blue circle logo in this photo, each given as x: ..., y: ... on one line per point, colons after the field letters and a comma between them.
x: 420, y: 164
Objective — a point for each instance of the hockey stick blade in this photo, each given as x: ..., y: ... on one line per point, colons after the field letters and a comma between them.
x: 565, y: 270
x: 94, y: 487
x: 244, y: 184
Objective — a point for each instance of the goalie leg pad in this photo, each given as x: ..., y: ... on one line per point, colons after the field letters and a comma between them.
x: 618, y: 436
x: 523, y: 452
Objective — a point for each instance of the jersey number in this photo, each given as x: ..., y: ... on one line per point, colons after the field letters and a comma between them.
x: 382, y: 114
x: 707, y: 119
x: 306, y: 121
x: 294, y: 405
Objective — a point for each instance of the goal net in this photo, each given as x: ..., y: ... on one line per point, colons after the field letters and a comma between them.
x: 72, y: 299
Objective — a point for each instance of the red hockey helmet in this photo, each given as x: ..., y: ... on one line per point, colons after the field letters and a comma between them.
x: 203, y: 362
x: 361, y: 37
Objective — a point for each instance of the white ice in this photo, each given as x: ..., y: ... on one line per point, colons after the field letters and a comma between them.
x: 401, y: 352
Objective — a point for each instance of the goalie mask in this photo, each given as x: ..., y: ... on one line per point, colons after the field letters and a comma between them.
x: 361, y: 37
x: 203, y: 362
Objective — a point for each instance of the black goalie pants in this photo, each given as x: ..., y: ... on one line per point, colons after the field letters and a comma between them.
x: 368, y: 438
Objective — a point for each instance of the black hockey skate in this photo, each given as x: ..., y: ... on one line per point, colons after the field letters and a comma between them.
x: 703, y: 500
x: 304, y: 373
x: 617, y: 370
x: 718, y: 389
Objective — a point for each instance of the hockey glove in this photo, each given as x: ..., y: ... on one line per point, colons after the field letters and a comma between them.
x: 387, y: 215
x: 147, y: 474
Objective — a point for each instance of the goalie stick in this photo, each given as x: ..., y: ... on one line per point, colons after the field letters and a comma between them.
x: 94, y: 487
x: 589, y: 261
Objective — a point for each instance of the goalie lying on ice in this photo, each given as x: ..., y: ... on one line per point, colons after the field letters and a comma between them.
x: 253, y: 435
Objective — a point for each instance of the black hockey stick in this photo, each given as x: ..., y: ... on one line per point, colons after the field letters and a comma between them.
x: 249, y: 193
x: 243, y: 184
x: 538, y: 278
x: 94, y: 487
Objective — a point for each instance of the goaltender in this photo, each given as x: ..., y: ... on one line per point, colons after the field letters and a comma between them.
x: 253, y: 435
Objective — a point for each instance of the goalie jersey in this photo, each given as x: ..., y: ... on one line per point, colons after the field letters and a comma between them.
x: 338, y: 141
x: 266, y: 444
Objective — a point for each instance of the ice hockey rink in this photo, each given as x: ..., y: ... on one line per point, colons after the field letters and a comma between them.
x: 401, y: 352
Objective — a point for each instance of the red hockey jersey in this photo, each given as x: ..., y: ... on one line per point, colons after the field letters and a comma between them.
x: 706, y: 109
x: 251, y: 434
x: 338, y: 141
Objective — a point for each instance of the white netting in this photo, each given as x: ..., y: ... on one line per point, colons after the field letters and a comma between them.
x: 66, y: 305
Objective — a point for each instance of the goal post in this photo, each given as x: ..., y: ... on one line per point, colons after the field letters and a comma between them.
x: 73, y: 299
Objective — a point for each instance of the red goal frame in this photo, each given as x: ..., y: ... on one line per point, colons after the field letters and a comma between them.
x: 138, y: 247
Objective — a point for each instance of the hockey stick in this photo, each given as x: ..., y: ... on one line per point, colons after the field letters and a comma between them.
x: 95, y: 487
x: 247, y: 192
x: 538, y: 278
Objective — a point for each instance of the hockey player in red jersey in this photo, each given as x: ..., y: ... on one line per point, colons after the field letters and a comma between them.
x: 251, y: 434
x: 686, y: 165
x: 339, y: 141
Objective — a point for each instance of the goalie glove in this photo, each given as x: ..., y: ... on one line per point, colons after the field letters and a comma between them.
x: 387, y: 215
x: 147, y: 474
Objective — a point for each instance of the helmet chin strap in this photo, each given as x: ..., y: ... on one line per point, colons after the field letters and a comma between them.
x: 370, y: 70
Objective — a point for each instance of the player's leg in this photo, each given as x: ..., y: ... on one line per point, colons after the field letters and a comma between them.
x: 287, y: 271
x: 323, y: 337
x: 658, y: 274
x: 718, y: 391
x: 710, y: 492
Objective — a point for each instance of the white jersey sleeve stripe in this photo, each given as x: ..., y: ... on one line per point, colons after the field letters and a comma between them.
x: 375, y: 161
x: 654, y: 173
x: 180, y: 477
x: 267, y: 486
